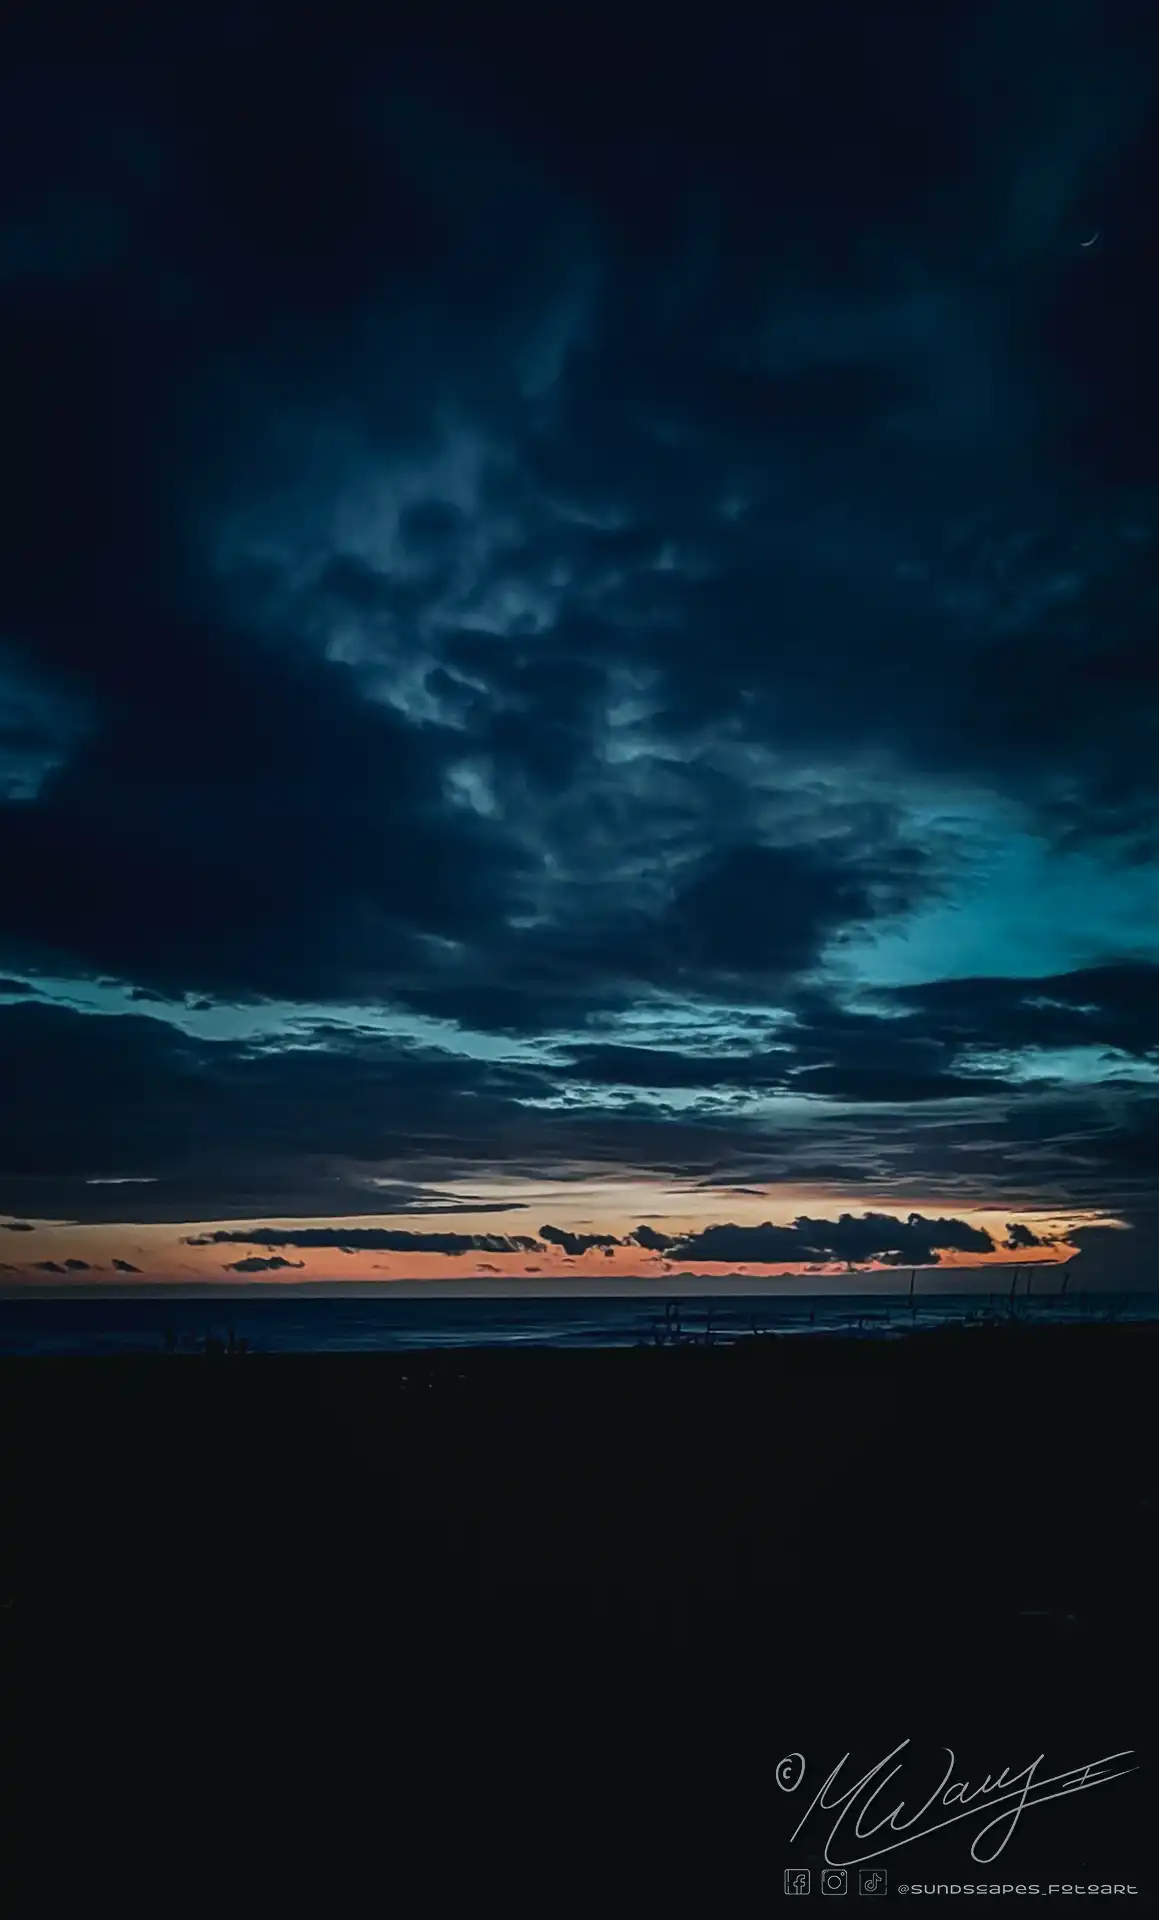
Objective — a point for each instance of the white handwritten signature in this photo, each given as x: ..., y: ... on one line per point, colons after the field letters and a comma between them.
x: 1014, y: 1793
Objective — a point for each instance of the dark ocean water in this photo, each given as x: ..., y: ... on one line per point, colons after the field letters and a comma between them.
x: 73, y: 1326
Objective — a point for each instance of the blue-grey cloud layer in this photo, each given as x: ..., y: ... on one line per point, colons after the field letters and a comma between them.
x: 632, y: 564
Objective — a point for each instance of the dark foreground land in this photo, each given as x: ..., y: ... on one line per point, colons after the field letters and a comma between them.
x: 663, y: 1568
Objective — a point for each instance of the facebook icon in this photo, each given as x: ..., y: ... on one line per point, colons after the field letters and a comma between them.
x: 796, y: 1879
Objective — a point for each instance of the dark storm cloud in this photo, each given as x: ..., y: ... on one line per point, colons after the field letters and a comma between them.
x: 255, y: 1264
x: 918, y: 1044
x: 369, y: 1239
x: 698, y: 339
x: 854, y: 1239
x: 1019, y: 1236
x: 926, y: 1042
x: 768, y: 910
x: 577, y: 1243
x: 909, y: 1067
x: 1115, y: 1007
x: 893, y: 1086
x: 531, y: 524
x: 655, y: 1068
x: 348, y: 1123
x: 223, y: 1129
x: 662, y: 904
x: 652, y: 1239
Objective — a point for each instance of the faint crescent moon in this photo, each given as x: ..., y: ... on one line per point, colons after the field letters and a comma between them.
x: 1091, y: 241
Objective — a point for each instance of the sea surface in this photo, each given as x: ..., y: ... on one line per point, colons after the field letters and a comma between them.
x: 104, y: 1326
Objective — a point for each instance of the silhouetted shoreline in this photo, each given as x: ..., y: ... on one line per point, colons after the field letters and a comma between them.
x: 825, y: 1421
x: 955, y: 1530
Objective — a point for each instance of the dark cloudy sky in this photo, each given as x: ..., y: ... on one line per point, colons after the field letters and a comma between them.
x: 577, y: 675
